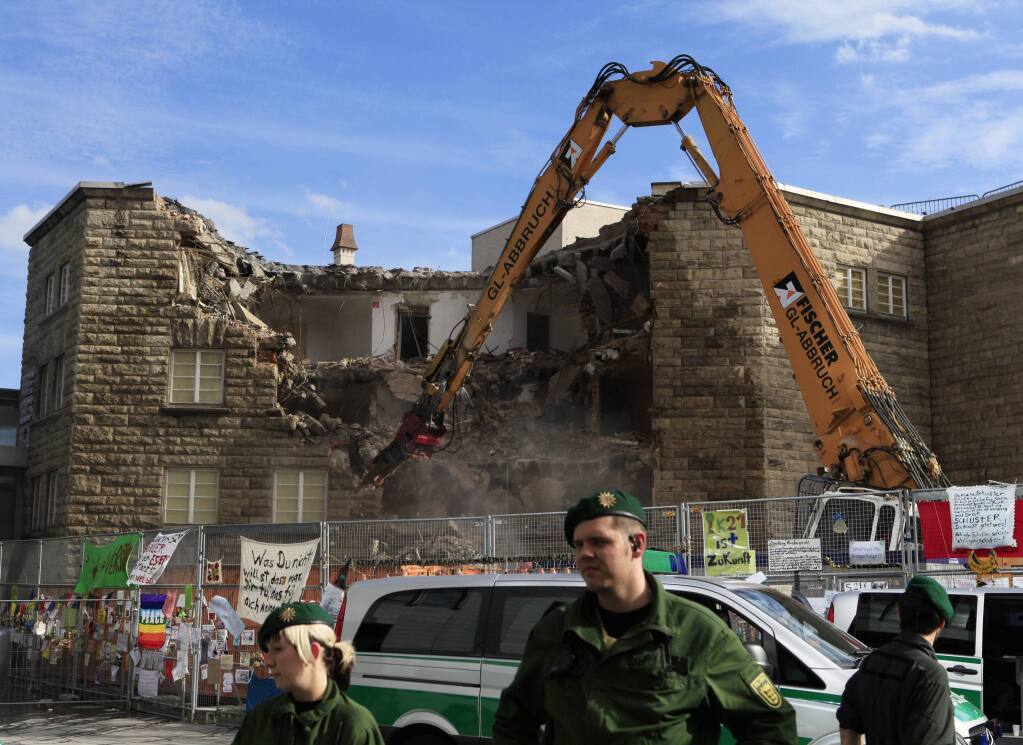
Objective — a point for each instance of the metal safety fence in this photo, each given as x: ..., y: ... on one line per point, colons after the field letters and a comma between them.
x: 197, y: 657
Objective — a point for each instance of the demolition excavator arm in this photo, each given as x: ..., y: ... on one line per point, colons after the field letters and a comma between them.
x: 862, y: 433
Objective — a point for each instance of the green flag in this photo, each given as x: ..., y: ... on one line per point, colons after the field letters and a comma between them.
x: 106, y: 566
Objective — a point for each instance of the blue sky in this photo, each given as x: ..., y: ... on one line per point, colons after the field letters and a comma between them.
x: 425, y: 122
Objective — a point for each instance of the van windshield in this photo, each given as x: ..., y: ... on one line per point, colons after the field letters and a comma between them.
x: 838, y: 646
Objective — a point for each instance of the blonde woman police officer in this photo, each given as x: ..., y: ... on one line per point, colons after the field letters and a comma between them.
x: 313, y: 669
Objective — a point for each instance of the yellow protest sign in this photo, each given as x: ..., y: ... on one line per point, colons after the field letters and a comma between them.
x: 726, y: 549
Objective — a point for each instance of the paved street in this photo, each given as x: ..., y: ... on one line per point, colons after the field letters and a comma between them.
x: 104, y: 727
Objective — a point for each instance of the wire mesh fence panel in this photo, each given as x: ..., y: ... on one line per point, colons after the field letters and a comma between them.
x: 165, y: 637
x: 62, y: 562
x: 824, y: 540
x: 19, y: 565
x: 248, y: 570
x: 664, y: 530
x: 531, y: 542
x: 382, y: 548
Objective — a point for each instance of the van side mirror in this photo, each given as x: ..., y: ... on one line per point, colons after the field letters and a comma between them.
x: 759, y: 655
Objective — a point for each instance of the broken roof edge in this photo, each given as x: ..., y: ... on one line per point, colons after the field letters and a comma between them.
x: 71, y: 200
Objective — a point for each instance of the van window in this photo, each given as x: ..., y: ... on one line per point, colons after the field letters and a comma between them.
x: 516, y: 610
x: 877, y: 623
x: 790, y: 670
x: 442, y: 621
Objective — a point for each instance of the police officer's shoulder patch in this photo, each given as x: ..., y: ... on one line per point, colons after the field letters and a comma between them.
x: 763, y: 687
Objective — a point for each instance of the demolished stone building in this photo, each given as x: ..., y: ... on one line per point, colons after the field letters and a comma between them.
x: 170, y: 376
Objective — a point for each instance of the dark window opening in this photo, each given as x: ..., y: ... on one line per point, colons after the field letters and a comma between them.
x: 625, y: 400
x: 538, y: 332
x: 413, y: 333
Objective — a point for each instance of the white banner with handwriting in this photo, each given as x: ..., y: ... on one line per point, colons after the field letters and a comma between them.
x: 272, y: 574
x: 982, y: 516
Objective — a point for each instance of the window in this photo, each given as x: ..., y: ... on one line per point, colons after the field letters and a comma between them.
x: 50, y: 298
x: 190, y: 496
x: 42, y: 387
x: 56, y: 395
x: 300, y: 496
x: 538, y: 332
x: 65, y: 284
x: 197, y: 376
x: 877, y: 622
x: 442, y: 621
x: 413, y: 333
x: 851, y: 285
x: 891, y: 295
x: 38, y: 506
x: 516, y: 611
x: 53, y: 491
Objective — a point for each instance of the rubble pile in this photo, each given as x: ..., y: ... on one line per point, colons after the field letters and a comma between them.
x: 517, y: 409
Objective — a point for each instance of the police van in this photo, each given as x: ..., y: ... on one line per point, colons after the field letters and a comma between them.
x: 434, y: 653
x: 978, y: 647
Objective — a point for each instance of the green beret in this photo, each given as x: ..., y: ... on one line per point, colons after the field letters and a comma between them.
x: 603, y: 503
x: 292, y: 614
x: 928, y: 589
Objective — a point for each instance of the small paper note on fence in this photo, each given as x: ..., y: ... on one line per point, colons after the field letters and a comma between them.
x: 149, y: 681
x: 982, y: 516
x: 866, y: 552
x: 154, y: 559
x: 794, y: 555
x: 272, y: 574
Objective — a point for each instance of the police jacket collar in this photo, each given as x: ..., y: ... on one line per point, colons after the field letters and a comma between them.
x: 915, y: 641
x: 284, y: 706
x: 583, y: 621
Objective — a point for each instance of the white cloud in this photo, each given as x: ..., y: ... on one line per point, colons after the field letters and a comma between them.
x: 234, y: 222
x: 865, y: 30
x: 328, y: 205
x: 16, y: 222
x: 974, y: 122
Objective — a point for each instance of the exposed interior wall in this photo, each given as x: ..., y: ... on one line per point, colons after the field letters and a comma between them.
x: 975, y: 276
x: 559, y: 302
x: 584, y: 221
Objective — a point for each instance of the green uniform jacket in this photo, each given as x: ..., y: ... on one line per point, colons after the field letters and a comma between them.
x: 336, y: 720
x: 675, y: 677
x: 900, y: 696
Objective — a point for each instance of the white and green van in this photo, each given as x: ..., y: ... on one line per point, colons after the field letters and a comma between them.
x: 978, y: 647
x: 434, y: 653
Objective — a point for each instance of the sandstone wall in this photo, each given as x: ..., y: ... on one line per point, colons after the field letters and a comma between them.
x: 974, y: 273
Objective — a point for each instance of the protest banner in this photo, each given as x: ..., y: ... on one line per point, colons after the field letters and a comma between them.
x: 726, y: 549
x: 272, y: 574
x: 106, y: 566
x: 154, y: 558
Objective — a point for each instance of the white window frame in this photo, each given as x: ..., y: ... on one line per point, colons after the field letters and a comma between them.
x: 191, y: 490
x: 52, y: 494
x: 887, y: 296
x: 36, y: 514
x: 65, y: 284
x: 56, y: 395
x: 51, y: 294
x: 301, y: 491
x: 198, y: 373
x: 42, y: 390
x: 847, y: 299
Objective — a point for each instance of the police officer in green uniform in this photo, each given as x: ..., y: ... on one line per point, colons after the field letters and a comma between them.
x: 313, y: 670
x: 900, y: 694
x: 630, y: 663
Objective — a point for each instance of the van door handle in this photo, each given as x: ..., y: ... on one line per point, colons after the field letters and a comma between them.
x: 960, y: 670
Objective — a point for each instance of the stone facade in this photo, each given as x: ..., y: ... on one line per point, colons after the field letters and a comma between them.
x: 974, y: 280
x: 116, y: 434
x: 727, y: 412
x: 726, y: 419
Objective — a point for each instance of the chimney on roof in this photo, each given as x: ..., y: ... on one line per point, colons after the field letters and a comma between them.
x: 344, y: 247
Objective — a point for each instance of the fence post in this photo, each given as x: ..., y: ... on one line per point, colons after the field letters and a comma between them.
x: 324, y: 557
x: 200, y: 575
x: 39, y: 572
